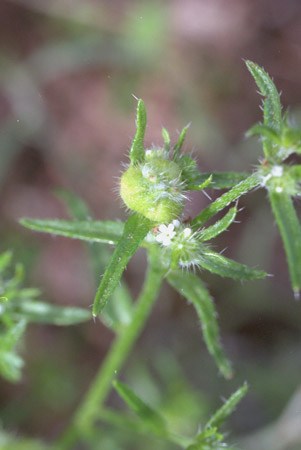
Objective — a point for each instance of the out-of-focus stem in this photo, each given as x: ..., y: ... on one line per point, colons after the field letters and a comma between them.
x: 89, y: 409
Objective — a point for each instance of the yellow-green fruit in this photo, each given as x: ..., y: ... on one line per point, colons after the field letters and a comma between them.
x: 154, y: 189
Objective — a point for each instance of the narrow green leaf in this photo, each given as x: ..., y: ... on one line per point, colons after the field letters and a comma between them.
x: 219, y: 226
x: 193, y: 289
x: 13, y: 284
x: 180, y: 142
x: 121, y: 420
x: 77, y: 208
x: 271, y: 104
x: 108, y: 232
x: 135, y: 230
x: 220, y: 180
x: 166, y: 139
x: 28, y: 293
x: 226, y: 410
x: 144, y: 411
x: 137, y: 153
x: 225, y: 180
x: 118, y: 312
x: 10, y: 363
x: 41, y: 312
x: 5, y: 259
x: 12, y: 336
x: 133, y: 425
x: 264, y: 131
x: 291, y: 138
x: 200, y: 187
x: 290, y: 230
x: 225, y: 267
x: 10, y: 366
x: 224, y: 200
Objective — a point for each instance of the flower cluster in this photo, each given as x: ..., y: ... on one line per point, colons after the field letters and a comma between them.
x: 181, y: 246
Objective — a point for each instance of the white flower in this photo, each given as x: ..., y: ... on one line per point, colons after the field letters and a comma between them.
x: 166, y: 234
x: 187, y: 232
x: 277, y: 171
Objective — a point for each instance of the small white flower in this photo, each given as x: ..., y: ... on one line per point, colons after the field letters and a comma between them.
x: 279, y: 189
x: 277, y: 171
x: 187, y: 232
x: 166, y: 234
x: 176, y: 223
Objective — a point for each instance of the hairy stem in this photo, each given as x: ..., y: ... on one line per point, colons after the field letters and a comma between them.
x: 90, y: 407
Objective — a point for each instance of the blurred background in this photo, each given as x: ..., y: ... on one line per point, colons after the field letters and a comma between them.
x: 69, y: 69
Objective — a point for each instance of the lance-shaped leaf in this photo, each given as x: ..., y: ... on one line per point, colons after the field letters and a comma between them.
x: 193, y: 289
x: 290, y: 230
x: 10, y: 366
x: 76, y: 206
x: 121, y: 420
x: 291, y: 138
x: 12, y: 285
x: 264, y: 131
x: 227, y: 409
x: 135, y: 230
x: 10, y: 363
x: 108, y: 232
x: 118, y: 311
x: 225, y: 267
x: 209, y: 437
x: 12, y: 335
x: 154, y: 420
x: 219, y: 180
x: 271, y: 104
x: 41, y: 312
x: 5, y: 259
x: 179, y: 144
x: 27, y: 293
x: 166, y: 139
x: 224, y: 200
x: 137, y: 153
x: 201, y: 186
x: 219, y: 226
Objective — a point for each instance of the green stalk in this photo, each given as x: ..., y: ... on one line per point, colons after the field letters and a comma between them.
x: 89, y: 409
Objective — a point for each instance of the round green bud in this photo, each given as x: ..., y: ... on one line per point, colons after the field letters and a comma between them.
x: 154, y: 189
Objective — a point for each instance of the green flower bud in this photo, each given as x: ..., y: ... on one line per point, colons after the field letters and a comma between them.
x: 154, y: 188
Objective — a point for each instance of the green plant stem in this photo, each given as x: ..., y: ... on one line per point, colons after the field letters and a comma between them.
x: 89, y: 409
